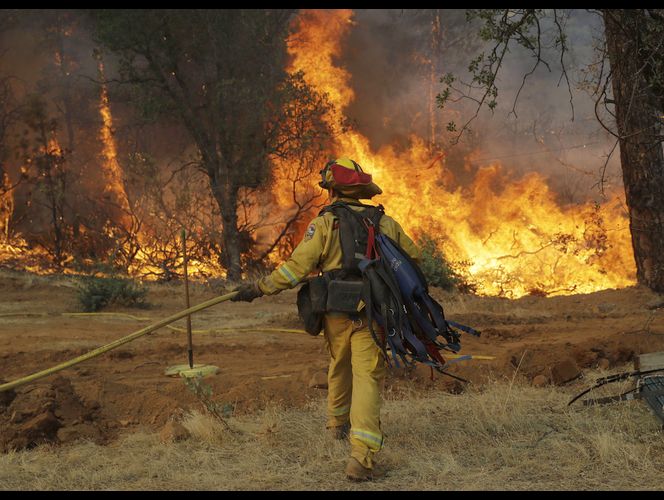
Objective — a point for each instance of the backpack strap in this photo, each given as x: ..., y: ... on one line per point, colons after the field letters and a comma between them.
x: 417, y: 348
x: 369, y: 307
x: 380, y: 305
x: 427, y: 313
x: 357, y: 230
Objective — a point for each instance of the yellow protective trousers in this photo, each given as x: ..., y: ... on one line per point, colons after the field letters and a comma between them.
x: 355, y: 382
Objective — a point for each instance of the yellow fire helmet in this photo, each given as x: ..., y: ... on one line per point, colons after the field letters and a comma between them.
x: 347, y: 177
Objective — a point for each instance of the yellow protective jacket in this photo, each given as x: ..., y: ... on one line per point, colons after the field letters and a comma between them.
x: 321, y: 249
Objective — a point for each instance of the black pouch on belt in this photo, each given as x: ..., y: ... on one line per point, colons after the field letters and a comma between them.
x: 344, y: 296
x: 311, y: 304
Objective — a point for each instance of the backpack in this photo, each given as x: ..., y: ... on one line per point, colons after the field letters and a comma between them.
x: 395, y: 292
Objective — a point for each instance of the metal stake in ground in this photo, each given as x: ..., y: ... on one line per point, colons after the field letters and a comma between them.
x: 193, y: 370
x: 190, y: 346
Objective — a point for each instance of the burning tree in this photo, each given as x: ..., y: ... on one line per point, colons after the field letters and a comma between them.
x: 634, y: 51
x: 47, y: 161
x: 8, y: 115
x: 10, y: 109
x: 50, y: 154
x: 222, y: 75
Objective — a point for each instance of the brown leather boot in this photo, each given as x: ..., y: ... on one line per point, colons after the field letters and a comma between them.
x: 355, y: 471
x: 340, y: 432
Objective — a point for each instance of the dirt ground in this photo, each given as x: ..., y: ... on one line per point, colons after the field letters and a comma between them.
x: 541, y: 340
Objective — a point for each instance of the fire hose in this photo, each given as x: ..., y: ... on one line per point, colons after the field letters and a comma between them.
x: 101, y: 350
x: 170, y: 327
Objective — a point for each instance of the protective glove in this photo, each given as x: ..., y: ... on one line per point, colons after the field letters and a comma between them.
x: 247, y: 292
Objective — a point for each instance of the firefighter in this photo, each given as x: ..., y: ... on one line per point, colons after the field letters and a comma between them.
x: 357, y: 367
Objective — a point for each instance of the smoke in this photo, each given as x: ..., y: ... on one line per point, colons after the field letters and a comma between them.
x: 384, y: 54
x: 389, y: 54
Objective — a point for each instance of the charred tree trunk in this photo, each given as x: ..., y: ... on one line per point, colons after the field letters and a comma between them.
x: 637, y: 112
x: 225, y: 193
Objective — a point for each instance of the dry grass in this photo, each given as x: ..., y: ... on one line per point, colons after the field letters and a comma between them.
x: 503, y: 437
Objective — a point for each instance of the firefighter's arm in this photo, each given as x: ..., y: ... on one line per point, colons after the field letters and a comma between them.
x: 304, y: 259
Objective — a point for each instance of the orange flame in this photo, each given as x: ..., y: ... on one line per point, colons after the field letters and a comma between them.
x: 516, y: 241
x: 6, y: 206
x: 114, y: 188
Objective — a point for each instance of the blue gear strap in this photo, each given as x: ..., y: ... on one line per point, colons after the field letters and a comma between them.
x: 464, y: 328
x: 396, y: 296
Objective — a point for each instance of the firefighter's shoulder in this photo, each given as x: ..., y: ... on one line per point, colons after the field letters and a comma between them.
x: 318, y: 226
x: 390, y: 226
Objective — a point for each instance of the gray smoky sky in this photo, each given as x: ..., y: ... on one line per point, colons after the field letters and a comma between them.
x: 388, y: 53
